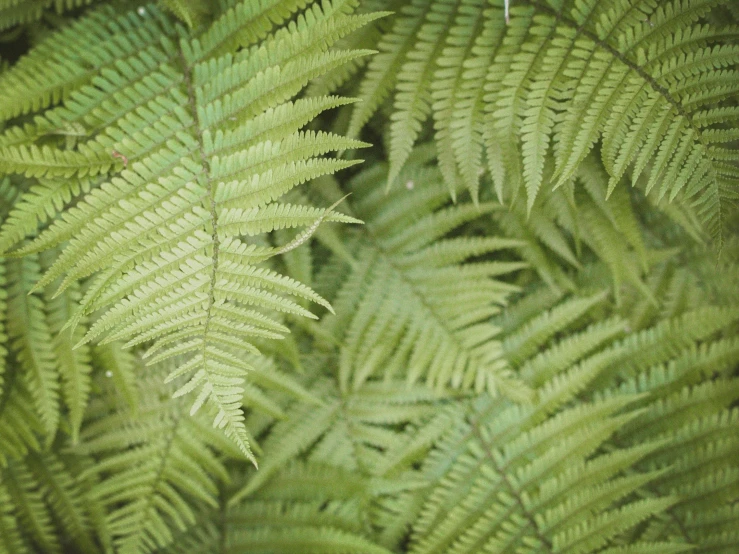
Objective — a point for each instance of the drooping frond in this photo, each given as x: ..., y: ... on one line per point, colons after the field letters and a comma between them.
x: 546, y: 362
x: 204, y: 133
x: 46, y: 508
x: 31, y: 341
x: 19, y: 424
x: 14, y: 12
x: 308, y: 507
x: 654, y: 83
x: 349, y: 431
x: 55, y: 373
x: 192, y: 12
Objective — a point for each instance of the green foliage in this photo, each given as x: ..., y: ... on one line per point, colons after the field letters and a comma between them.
x: 207, y: 143
x: 508, y: 350
x: 650, y: 83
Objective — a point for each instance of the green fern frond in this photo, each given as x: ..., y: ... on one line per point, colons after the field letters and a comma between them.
x: 189, y: 11
x: 56, y: 374
x: 347, y: 431
x: 74, y: 363
x: 382, y: 69
x: 396, y: 313
x: 545, y: 362
x: 568, y: 226
x: 284, y: 526
x: 19, y: 424
x: 413, y: 99
x: 151, y: 465
x: 205, y: 151
x: 652, y: 83
x: 15, y: 12
x: 9, y: 528
x: 660, y: 401
x: 32, y: 342
x: 50, y: 511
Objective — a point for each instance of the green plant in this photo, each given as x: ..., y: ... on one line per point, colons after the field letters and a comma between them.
x: 502, y: 348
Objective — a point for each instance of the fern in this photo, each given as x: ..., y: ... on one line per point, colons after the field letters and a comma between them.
x: 146, y: 462
x: 521, y: 476
x: 187, y: 192
x: 653, y: 84
x: 404, y: 255
x: 544, y: 362
x: 49, y: 508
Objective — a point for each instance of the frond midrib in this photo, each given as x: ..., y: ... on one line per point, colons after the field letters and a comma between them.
x: 215, y: 240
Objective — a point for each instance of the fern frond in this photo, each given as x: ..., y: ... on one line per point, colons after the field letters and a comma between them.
x: 20, y: 427
x: 347, y: 431
x: 207, y: 144
x: 413, y: 99
x: 653, y: 84
x: 9, y: 528
x: 32, y: 342
x: 74, y: 56
x: 660, y: 403
x: 49, y: 507
x: 74, y: 363
x: 411, y: 308
x: 16, y: 12
x: 285, y: 525
x: 151, y: 466
x: 383, y: 68
x: 189, y: 11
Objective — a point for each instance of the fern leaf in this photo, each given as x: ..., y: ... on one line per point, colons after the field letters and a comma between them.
x: 382, y: 70
x: 32, y: 341
x: 153, y: 461
x: 425, y: 336
x: 645, y: 81
x: 205, y: 151
x: 412, y: 103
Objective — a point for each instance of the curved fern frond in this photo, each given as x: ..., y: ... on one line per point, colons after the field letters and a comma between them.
x: 551, y: 477
x: 56, y: 374
x: 653, y: 83
x: 293, y: 514
x: 49, y: 508
x: 19, y: 424
x: 32, y: 341
x: 348, y: 432
x: 208, y: 138
x: 15, y: 12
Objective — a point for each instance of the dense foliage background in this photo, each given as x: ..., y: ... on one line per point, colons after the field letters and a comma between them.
x: 457, y: 276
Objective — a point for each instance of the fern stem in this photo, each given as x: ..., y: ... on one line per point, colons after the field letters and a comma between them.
x: 187, y: 71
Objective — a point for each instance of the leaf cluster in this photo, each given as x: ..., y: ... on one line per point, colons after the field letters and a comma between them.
x: 522, y: 336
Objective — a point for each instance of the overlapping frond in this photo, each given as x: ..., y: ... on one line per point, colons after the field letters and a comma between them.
x: 45, y: 507
x: 151, y: 467
x: 206, y: 138
x: 44, y: 358
x: 311, y: 508
x: 156, y: 239
x: 348, y: 431
x: 627, y: 465
x: 416, y: 303
x: 15, y: 12
x: 653, y: 83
